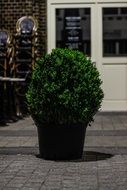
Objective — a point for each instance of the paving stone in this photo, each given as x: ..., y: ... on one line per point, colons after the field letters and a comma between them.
x: 103, y: 165
x: 16, y: 184
x: 11, y: 188
x: 30, y: 188
x: 107, y: 186
x: 121, y: 141
x: 33, y: 184
x: 97, y: 141
x: 121, y: 187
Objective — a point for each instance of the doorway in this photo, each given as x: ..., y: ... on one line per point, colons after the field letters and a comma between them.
x: 99, y: 29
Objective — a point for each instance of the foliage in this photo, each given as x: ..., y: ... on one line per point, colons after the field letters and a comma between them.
x: 65, y: 88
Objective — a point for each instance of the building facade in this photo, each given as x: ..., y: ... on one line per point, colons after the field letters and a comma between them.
x: 96, y: 27
x: 12, y: 10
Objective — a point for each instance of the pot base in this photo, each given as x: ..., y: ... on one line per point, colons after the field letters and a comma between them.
x: 61, y: 142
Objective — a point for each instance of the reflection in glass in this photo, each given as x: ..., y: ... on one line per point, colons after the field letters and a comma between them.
x: 27, y: 26
x: 115, y: 31
x: 3, y: 38
x: 73, y: 29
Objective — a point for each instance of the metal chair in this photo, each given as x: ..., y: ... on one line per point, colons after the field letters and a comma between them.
x: 25, y: 42
x: 5, y: 64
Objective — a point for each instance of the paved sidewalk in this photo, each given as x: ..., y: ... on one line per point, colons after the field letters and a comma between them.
x: 102, y: 167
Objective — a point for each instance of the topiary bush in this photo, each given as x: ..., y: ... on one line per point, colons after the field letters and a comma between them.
x: 65, y: 88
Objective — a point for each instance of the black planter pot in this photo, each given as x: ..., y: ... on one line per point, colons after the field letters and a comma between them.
x: 61, y: 142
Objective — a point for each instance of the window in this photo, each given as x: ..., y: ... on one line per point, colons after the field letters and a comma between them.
x: 73, y: 29
x: 115, y: 31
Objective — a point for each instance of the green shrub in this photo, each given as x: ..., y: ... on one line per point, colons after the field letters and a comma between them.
x: 65, y: 88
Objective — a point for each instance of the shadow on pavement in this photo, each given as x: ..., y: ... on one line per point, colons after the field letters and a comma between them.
x: 88, y: 156
x: 91, y: 156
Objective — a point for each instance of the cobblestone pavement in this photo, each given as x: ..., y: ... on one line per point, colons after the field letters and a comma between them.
x: 102, y: 167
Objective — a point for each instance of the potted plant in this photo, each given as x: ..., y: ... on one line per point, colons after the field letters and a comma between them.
x: 63, y: 96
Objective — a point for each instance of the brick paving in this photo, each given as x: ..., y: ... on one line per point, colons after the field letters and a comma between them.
x: 102, y: 167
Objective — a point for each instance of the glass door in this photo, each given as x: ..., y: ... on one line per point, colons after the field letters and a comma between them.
x: 99, y: 29
x: 112, y: 57
x: 71, y: 26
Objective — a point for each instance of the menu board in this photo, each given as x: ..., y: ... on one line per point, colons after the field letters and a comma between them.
x: 73, y: 29
x: 72, y: 32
